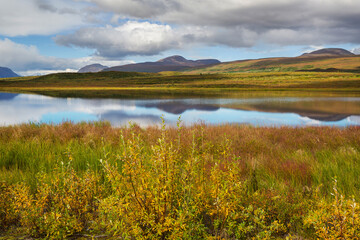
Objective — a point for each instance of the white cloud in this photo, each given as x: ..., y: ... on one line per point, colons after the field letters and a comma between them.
x: 26, y: 17
x: 145, y: 38
x: 37, y: 72
x: 131, y: 38
x: 26, y: 60
x: 20, y: 57
x: 356, y: 50
x: 312, y: 48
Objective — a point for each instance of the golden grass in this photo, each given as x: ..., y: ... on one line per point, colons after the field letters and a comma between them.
x: 284, y: 64
x: 202, y: 182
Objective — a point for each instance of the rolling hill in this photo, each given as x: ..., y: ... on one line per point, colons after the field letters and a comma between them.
x: 7, y: 73
x: 173, y: 63
x: 329, y: 52
x: 324, y: 60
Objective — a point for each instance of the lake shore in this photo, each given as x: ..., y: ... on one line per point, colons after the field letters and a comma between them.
x: 174, y: 82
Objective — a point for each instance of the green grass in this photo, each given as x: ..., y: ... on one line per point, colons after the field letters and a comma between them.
x: 115, y: 81
x: 228, y: 181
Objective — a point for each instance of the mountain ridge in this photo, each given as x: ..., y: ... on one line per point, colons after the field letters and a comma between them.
x: 7, y: 73
x: 323, y: 60
x: 335, y: 52
x: 326, y: 59
x: 96, y: 67
x: 172, y: 63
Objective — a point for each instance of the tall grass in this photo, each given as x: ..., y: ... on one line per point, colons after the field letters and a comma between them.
x: 229, y: 181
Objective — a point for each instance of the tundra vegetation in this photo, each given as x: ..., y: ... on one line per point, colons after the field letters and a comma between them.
x: 198, y: 182
x: 174, y: 82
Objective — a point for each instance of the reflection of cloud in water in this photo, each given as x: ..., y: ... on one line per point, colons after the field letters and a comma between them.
x: 104, y: 104
x: 120, y: 118
x: 355, y: 119
x: 24, y: 108
x: 349, y: 121
x: 309, y: 121
x: 34, y: 97
x: 100, y: 109
x: 75, y: 117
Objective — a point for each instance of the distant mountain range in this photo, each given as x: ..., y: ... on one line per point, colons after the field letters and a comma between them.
x: 313, y: 61
x: 173, y: 63
x: 92, y: 68
x: 7, y: 73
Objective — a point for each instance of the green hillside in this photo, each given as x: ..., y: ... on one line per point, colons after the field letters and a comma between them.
x: 321, y: 64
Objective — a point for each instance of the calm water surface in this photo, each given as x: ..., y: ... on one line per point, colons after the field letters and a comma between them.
x: 258, y: 111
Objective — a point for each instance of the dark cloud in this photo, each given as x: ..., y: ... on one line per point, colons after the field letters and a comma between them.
x: 328, y: 19
x: 45, y: 5
x: 252, y: 13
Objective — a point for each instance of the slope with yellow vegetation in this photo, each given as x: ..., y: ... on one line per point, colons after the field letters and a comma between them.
x: 302, y: 63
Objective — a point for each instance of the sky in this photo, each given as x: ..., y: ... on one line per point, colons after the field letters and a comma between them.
x: 45, y: 36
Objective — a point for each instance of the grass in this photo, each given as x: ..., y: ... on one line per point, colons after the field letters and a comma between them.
x: 228, y: 181
x: 318, y: 64
x: 166, y: 82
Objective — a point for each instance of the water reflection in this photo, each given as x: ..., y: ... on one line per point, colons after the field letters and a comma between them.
x: 7, y: 96
x: 274, y: 111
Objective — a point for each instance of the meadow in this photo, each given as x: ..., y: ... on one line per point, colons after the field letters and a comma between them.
x: 286, y: 64
x: 180, y: 83
x: 90, y: 180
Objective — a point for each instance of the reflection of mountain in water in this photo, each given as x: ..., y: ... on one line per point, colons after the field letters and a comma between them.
x: 321, y: 110
x: 7, y: 96
x: 325, y: 117
x: 118, y: 118
x: 180, y: 107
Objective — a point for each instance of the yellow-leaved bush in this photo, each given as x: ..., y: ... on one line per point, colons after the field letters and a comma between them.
x: 163, y: 191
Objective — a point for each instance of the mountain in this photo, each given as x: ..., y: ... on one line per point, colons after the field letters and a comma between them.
x: 7, y: 73
x: 92, y: 68
x: 208, y: 61
x: 324, y: 60
x: 329, y: 52
x: 175, y: 60
x: 173, y: 63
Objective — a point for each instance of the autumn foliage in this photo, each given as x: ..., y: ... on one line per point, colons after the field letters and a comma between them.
x: 199, y: 182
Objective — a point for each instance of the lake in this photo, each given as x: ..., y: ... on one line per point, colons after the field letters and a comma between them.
x: 255, y: 109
